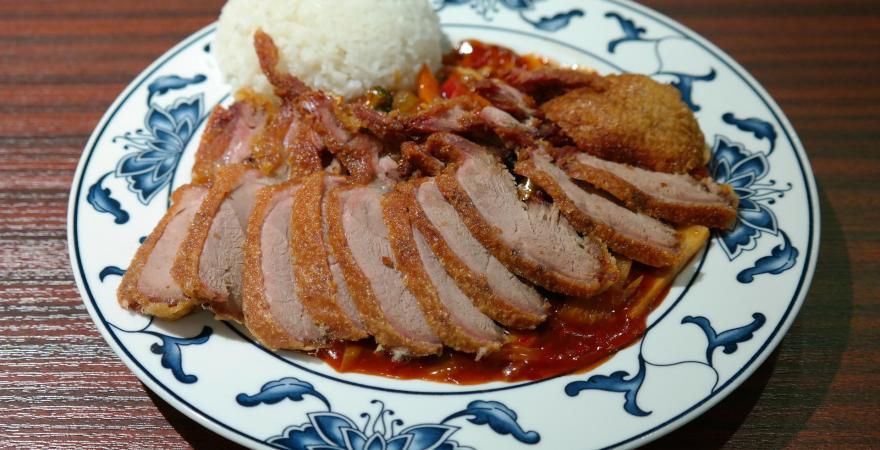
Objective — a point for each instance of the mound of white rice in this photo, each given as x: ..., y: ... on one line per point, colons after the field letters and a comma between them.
x: 341, y: 46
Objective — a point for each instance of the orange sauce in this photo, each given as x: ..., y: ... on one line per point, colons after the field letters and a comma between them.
x: 577, y: 335
x: 491, y: 58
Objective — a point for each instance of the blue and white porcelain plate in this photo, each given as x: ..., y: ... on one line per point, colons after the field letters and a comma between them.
x: 724, y: 315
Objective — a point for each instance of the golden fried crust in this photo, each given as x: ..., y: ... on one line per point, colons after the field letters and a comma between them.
x: 693, y: 239
x: 472, y: 284
x: 268, y: 146
x: 720, y: 214
x: 285, y: 84
x: 359, y: 286
x: 258, y: 316
x: 415, y: 160
x: 632, y: 248
x: 314, y: 283
x: 220, y: 130
x: 304, y: 148
x: 548, y: 81
x: 215, y: 141
x: 489, y: 236
x: 130, y: 297
x: 185, y: 269
x: 635, y: 120
x: 409, y: 263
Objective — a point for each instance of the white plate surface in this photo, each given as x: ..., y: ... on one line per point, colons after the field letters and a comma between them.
x: 724, y: 315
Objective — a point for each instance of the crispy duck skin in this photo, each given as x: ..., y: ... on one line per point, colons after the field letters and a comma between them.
x: 286, y: 85
x: 531, y: 240
x: 474, y: 117
x: 496, y: 291
x: 272, y: 311
x: 547, y: 82
x: 414, y: 159
x: 453, y: 115
x: 356, y: 151
x: 388, y: 129
x: 215, y: 141
x: 449, y: 312
x: 318, y: 121
x: 633, y: 235
x: 677, y: 198
x: 506, y: 97
x: 388, y: 310
x: 147, y: 286
x: 269, y: 152
x: 634, y: 120
x: 325, y: 297
x: 288, y: 144
x: 303, y: 145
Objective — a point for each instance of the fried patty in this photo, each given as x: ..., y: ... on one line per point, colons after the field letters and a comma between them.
x: 633, y: 120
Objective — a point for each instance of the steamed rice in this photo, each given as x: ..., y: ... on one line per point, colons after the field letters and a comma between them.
x: 341, y: 46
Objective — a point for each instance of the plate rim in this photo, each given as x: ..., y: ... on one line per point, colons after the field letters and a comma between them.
x: 806, y: 279
x: 742, y: 374
x: 164, y: 392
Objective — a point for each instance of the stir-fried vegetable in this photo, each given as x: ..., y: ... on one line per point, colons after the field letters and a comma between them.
x: 429, y: 88
x: 454, y: 86
x: 405, y: 102
x: 491, y: 59
x: 378, y: 98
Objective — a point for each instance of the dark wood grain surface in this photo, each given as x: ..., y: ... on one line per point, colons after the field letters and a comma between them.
x: 63, y: 62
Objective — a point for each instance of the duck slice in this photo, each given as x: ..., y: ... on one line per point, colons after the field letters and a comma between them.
x: 303, y: 146
x: 209, y: 262
x: 287, y: 144
x: 450, y: 313
x: 532, y: 240
x: 634, y: 235
x: 548, y: 82
x: 677, y: 198
x: 340, y: 133
x: 359, y: 242
x: 415, y: 161
x: 496, y: 291
x: 147, y: 286
x: 273, y: 312
x: 505, y: 97
x: 320, y: 284
x: 229, y: 135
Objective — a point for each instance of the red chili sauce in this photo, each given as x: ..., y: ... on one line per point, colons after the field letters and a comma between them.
x: 475, y: 57
x: 577, y: 335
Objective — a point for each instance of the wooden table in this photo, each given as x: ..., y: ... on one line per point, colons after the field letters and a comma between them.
x: 63, y: 63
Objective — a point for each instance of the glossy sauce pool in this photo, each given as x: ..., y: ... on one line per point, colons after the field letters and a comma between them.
x: 577, y: 335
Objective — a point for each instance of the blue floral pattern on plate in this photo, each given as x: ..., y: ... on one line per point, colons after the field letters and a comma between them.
x: 101, y: 199
x: 329, y: 430
x: 629, y: 387
x: 169, y: 348
x: 488, y: 8
x: 168, y: 130
x: 745, y: 171
x: 159, y: 145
